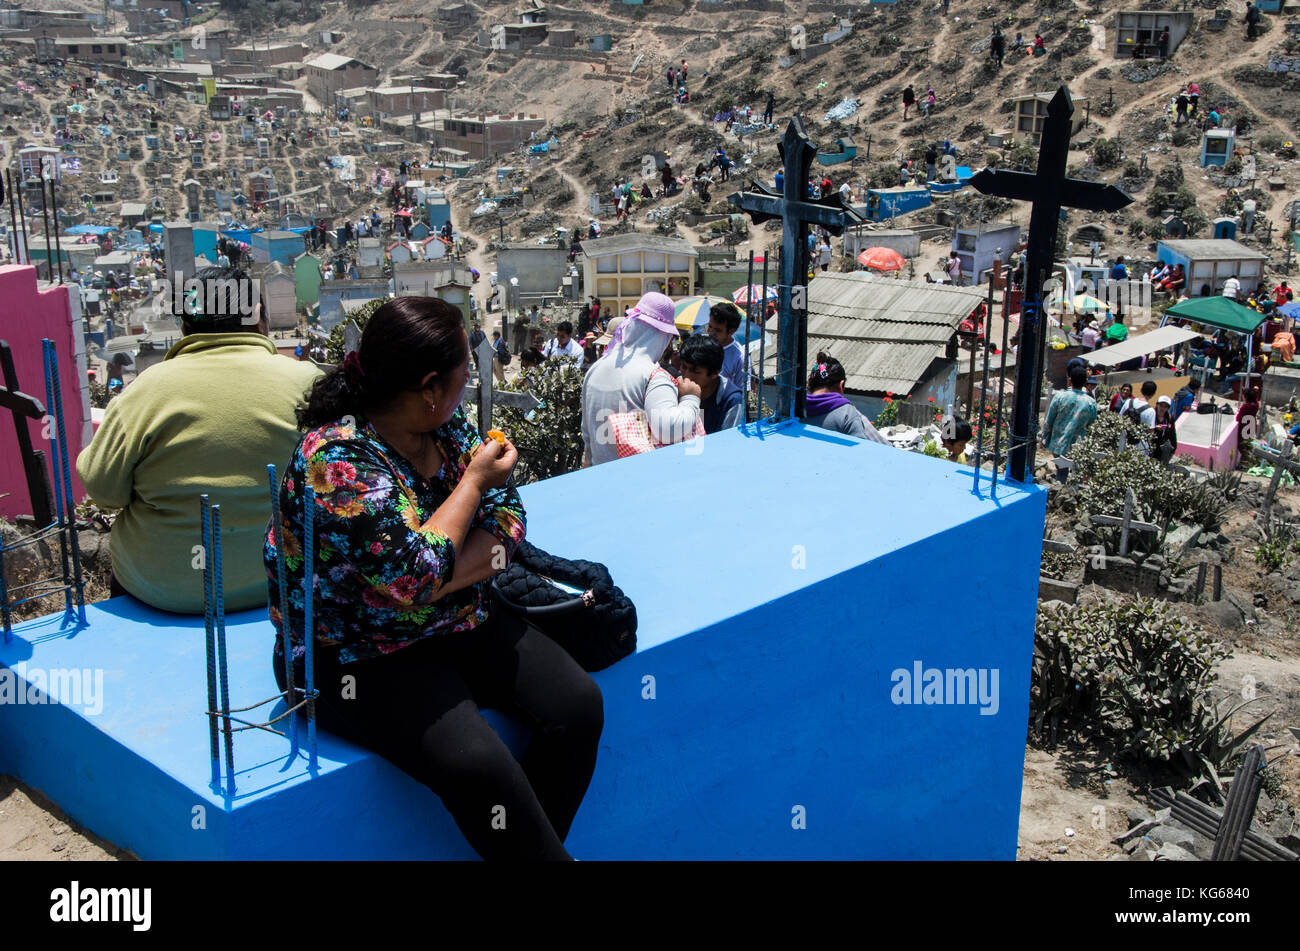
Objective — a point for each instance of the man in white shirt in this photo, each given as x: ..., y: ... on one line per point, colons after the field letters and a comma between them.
x: 1248, y: 216
x: 563, y: 345
x: 1091, y: 334
x: 1231, y: 288
x: 846, y: 192
x: 1142, y: 405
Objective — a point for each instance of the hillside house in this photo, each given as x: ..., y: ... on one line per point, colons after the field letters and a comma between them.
x: 330, y: 72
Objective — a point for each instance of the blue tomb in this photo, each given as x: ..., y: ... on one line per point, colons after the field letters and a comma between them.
x: 884, y: 203
x: 833, y: 662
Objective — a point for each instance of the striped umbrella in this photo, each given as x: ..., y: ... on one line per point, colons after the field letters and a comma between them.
x: 742, y: 295
x: 691, y: 314
x: 1079, y: 304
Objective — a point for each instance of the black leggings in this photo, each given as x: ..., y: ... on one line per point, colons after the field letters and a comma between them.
x: 419, y: 708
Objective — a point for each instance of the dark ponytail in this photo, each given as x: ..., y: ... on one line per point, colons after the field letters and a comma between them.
x: 407, y: 339
x: 825, y: 373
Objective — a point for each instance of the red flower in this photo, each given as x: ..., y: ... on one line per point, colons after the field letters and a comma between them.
x: 376, y: 548
x: 340, y: 473
x: 930, y: 398
x: 888, y: 401
x: 403, y: 588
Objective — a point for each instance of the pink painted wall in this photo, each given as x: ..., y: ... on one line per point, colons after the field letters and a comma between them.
x: 28, y: 313
x: 1216, y: 457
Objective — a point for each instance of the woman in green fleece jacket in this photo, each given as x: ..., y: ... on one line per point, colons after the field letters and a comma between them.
x: 208, y: 418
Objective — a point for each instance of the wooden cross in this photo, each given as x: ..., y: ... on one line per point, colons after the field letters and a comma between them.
x: 796, y: 211
x: 1281, y: 462
x: 1049, y: 191
x: 487, y: 395
x: 1126, y: 523
x: 24, y: 407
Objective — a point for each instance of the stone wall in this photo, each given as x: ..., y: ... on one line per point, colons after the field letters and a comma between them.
x: 1150, y: 578
x: 566, y: 54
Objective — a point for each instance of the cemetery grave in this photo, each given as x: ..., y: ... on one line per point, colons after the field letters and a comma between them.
x: 1127, y: 107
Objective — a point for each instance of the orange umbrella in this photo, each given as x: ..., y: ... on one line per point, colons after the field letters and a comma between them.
x: 882, y: 259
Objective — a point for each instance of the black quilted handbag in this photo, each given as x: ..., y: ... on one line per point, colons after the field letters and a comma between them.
x: 597, y: 627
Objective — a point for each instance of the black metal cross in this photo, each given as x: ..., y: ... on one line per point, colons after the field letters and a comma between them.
x: 1049, y: 191
x: 797, y: 211
x: 23, y: 408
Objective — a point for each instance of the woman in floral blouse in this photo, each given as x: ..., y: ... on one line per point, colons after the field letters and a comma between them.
x: 414, y: 514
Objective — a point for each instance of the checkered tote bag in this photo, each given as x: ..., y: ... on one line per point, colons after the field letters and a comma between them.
x: 631, y: 430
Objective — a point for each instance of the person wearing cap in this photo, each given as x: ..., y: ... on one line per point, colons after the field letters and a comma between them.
x: 1090, y: 336
x: 1164, y: 435
x: 628, y: 377
x: 207, y: 419
x: 1068, y: 417
x: 590, y: 352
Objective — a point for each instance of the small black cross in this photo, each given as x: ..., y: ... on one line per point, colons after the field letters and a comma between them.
x: 796, y: 211
x: 1049, y: 191
x: 24, y: 407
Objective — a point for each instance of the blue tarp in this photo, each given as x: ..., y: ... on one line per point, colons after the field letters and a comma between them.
x: 240, y: 234
x: 99, y: 230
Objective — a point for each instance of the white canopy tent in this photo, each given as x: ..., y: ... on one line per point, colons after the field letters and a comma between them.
x: 1133, y: 347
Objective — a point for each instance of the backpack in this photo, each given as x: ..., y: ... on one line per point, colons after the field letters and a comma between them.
x: 503, y: 353
x: 1130, y: 411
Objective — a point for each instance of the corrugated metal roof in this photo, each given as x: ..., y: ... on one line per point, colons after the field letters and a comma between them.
x: 885, y: 331
x: 332, y: 61
x: 869, y: 366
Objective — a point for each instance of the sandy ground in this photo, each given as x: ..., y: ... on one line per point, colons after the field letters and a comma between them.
x: 34, y: 829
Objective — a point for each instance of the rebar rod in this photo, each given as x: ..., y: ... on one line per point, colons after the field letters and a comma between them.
x: 65, y: 474
x: 209, y: 632
x: 1002, y: 392
x: 223, y: 671
x: 984, y: 399
x: 286, y: 640
x: 308, y: 632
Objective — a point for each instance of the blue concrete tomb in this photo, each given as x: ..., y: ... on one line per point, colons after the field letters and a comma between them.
x: 833, y: 663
